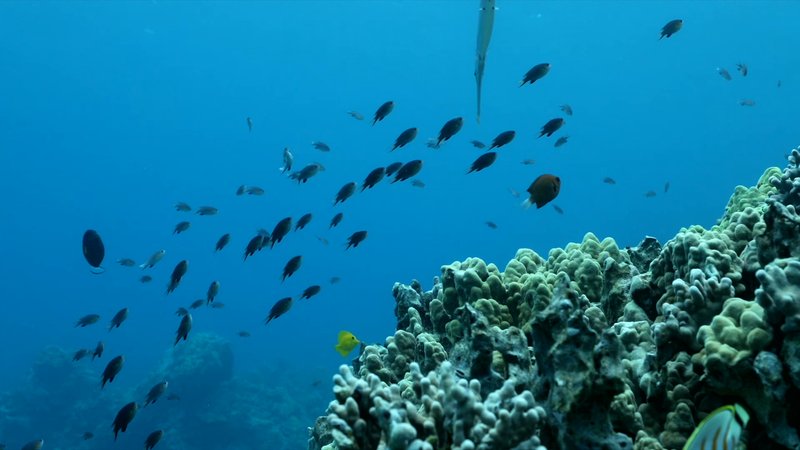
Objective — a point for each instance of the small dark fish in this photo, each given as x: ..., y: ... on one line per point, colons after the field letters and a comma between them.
x: 742, y: 68
x: 98, y: 350
x: 222, y: 242
x: 288, y: 160
x: 145, y: 279
x: 311, y: 291
x: 213, y: 290
x: 124, y: 418
x: 566, y: 109
x: 321, y: 146
x: 551, y: 126
x: 173, y: 397
x: 291, y: 266
x: 177, y: 273
x: 491, y: 224
x: 240, y: 190
x: 87, y: 435
x: 449, y: 129
x: 666, y: 187
x: 672, y: 27
x: 355, y: 115
x: 280, y: 231
x: 280, y: 308
x: 418, y: 183
x: 183, y: 329
x: 536, y: 73
x: 558, y: 209
x: 336, y: 220
x: 112, y: 370
x: 503, y: 138
x: 244, y: 334
x: 356, y: 238
x: 345, y: 192
x: 206, y: 211
x: 153, y: 439
x: 404, y: 138
x: 156, y: 392
x: 153, y: 260
x: 181, y: 311
x: 323, y: 240
x: 87, y: 320
x: 126, y: 262
x: 561, y: 141
x: 94, y: 251
x: 34, y: 445
x: 80, y: 354
x: 478, y: 144
x: 650, y: 194
x: 373, y: 178
x: 196, y: 304
x: 118, y: 318
x: 253, y: 246
x: 335, y: 280
x: 543, y: 190
x: 392, y: 168
x: 432, y: 143
x: 483, y: 161
x: 304, y: 220
x: 217, y: 305
x: 747, y: 102
x: 528, y: 162
x: 253, y: 190
x: 724, y: 73
x: 408, y: 170
x: 383, y: 111
x: 609, y: 180
x: 304, y: 174
x: 181, y: 227
x: 182, y: 207
x: 249, y: 124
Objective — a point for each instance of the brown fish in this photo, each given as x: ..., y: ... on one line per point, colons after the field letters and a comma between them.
x: 112, y: 370
x: 304, y: 220
x: 356, y: 238
x: 482, y: 162
x: 177, y: 274
x: 183, y: 329
x: 383, y: 111
x: 543, y: 190
x: 404, y: 138
x: 292, y: 266
x: 124, y: 418
x: 672, y: 27
x: 153, y: 439
x: 280, y: 308
x: 536, y: 73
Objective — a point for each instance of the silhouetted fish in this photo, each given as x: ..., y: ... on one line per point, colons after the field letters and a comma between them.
x: 124, y: 418
x: 94, y: 251
x: 383, y: 111
x: 177, y: 274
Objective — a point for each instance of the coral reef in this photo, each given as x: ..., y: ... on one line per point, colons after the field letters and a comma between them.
x: 594, y: 347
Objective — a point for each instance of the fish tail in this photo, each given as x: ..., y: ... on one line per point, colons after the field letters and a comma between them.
x: 526, y: 203
x: 97, y: 270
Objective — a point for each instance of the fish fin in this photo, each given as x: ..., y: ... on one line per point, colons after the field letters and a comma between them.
x: 97, y: 270
x: 341, y: 351
x: 526, y: 203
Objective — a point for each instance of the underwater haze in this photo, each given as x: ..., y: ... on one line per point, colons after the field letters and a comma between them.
x: 113, y: 112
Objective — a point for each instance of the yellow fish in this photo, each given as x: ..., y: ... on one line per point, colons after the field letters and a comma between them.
x: 721, y: 429
x: 347, y: 342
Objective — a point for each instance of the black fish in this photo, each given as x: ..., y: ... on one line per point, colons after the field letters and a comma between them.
x: 672, y: 27
x: 392, y: 168
x: 280, y: 231
x: 80, y: 354
x: 356, y: 238
x: 98, y: 350
x: 491, y: 224
x: 278, y: 309
x: 94, y: 251
x: 483, y: 161
x: 145, y: 279
x: 155, y: 392
x: 373, y: 178
x: 336, y: 219
x: 153, y: 439
x: 181, y: 227
x: 87, y: 435
x: 118, y: 318
x: 404, y: 138
x: 561, y: 141
x: 303, y: 221
x: 478, y: 144
x: 112, y: 370
x: 558, y: 209
x: 311, y: 291
x: 291, y: 267
x: 650, y: 194
x: 197, y: 303
x: 609, y: 180
x: 87, y: 320
x: 177, y: 273
x: 383, y: 111
x: 304, y: 174
x: 502, y: 139
x: 222, y: 242
x: 321, y: 146
x: 666, y: 187
x: 124, y: 418
x: 551, y: 127
x: 213, y: 290
x: 449, y: 129
x: 408, y: 170
x: 183, y: 329
x: 536, y: 73
x: 345, y: 192
x: 253, y: 246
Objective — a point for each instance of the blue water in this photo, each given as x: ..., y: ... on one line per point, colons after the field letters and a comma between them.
x: 111, y: 112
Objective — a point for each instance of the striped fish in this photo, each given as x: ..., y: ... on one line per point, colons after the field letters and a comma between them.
x: 720, y: 430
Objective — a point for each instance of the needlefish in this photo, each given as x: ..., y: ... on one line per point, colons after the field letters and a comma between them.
x: 485, y: 25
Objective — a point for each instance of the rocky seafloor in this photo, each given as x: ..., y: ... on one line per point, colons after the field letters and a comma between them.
x: 595, y: 346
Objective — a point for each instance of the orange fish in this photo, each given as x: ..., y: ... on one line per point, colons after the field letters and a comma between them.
x: 543, y: 190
